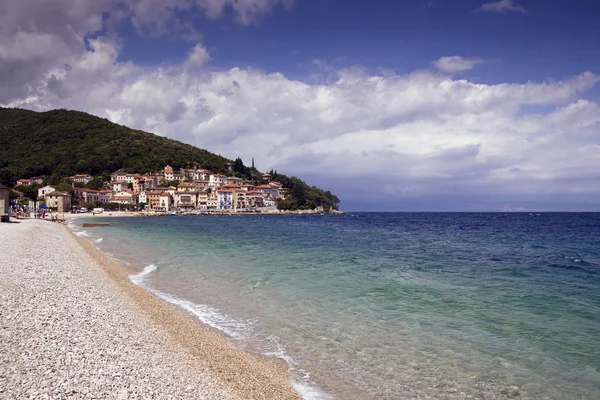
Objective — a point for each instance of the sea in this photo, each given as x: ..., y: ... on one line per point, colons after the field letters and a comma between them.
x: 387, y: 305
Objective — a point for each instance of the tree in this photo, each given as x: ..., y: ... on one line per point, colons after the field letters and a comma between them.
x: 29, y: 191
x: 97, y: 183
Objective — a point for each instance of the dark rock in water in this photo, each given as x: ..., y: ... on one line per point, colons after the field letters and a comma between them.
x: 511, y: 392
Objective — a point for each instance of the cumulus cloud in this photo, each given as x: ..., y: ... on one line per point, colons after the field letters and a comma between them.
x: 456, y: 63
x: 388, y: 139
x: 197, y: 57
x: 503, y: 6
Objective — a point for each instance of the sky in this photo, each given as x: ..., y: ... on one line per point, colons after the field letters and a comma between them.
x: 393, y: 105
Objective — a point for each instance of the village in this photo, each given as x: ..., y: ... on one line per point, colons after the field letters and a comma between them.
x: 167, y: 191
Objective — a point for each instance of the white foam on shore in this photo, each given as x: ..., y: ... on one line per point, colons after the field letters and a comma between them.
x: 240, y: 330
x: 309, y: 392
x: 208, y: 315
x: 82, y: 234
x: 99, y: 240
x: 138, y: 279
x: 304, y: 387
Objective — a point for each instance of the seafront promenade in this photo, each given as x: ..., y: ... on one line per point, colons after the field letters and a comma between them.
x: 72, y: 325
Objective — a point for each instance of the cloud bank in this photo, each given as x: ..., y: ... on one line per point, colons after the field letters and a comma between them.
x: 418, y: 141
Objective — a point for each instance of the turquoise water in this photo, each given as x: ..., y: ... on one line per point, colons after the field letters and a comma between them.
x: 389, y: 305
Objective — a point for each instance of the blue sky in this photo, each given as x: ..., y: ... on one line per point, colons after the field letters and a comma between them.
x: 393, y: 105
x: 553, y: 40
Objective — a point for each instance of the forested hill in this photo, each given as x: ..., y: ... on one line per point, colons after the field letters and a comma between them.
x: 65, y: 142
x: 60, y: 143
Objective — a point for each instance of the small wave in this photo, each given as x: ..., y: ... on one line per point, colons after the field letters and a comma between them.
x: 82, y: 234
x: 211, y: 317
x: 99, y: 240
x: 581, y: 266
x: 71, y: 224
x: 309, y: 392
x: 139, y: 278
x: 304, y: 387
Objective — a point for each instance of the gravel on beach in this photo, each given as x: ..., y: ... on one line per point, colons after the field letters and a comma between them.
x: 73, y: 326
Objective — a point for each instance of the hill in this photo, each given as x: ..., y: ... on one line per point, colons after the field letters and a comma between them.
x: 65, y: 142
x: 60, y: 143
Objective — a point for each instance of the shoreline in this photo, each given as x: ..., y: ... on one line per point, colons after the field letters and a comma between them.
x: 66, y: 216
x: 201, y: 340
x: 212, y: 355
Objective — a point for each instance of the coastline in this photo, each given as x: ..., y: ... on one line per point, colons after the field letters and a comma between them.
x: 211, y: 365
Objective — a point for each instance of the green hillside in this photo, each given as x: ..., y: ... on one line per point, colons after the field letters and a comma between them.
x: 60, y: 143
x: 67, y: 142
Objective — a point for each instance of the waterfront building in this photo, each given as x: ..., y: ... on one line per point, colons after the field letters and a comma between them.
x: 59, y: 201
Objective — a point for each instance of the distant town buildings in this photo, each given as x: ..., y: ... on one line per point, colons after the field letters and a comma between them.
x: 197, y: 189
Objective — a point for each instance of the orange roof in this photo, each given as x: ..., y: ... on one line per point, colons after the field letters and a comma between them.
x: 164, y: 194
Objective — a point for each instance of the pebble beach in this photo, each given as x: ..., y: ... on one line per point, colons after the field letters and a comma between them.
x: 72, y: 325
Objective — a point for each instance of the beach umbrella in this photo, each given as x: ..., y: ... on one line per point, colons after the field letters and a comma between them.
x: 43, y: 207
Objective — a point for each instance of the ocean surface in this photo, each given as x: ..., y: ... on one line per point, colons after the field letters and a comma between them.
x: 388, y: 305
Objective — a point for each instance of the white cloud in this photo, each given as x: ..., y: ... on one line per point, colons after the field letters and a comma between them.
x: 456, y: 63
x: 503, y: 6
x: 197, y: 57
